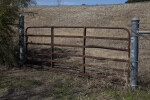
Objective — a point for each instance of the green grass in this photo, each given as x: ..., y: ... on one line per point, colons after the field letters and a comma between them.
x: 46, y: 85
x: 19, y: 82
x: 5, y: 84
x: 137, y: 94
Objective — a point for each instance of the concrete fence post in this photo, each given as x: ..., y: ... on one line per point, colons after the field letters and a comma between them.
x: 134, y: 52
x: 21, y: 37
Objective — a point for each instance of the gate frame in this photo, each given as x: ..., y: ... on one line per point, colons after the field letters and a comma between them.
x: 80, y: 46
x: 134, y: 52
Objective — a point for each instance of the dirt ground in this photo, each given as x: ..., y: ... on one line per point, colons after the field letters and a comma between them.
x: 31, y: 84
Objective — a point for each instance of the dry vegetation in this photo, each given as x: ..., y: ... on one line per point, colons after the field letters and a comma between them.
x: 100, y: 15
x: 31, y: 84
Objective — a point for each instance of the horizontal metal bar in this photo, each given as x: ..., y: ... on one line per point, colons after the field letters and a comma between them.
x: 144, y: 32
x: 94, y: 27
x: 79, y: 46
x: 62, y: 62
x: 76, y: 64
x: 88, y: 37
x: 38, y: 43
x: 68, y: 36
x: 93, y: 57
x: 71, y: 63
x: 103, y: 47
x: 67, y: 71
x: 31, y: 35
x: 121, y: 28
x: 77, y: 73
x: 75, y: 55
x: 107, y: 38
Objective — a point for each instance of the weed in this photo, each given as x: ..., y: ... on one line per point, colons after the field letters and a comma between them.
x: 137, y: 94
x: 19, y: 82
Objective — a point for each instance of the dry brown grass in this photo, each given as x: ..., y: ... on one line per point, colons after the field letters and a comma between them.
x: 101, y: 15
x: 31, y: 84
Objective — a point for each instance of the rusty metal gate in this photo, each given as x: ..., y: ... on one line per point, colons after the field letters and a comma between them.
x: 83, y: 65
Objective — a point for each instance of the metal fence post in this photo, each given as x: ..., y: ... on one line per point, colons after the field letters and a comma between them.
x: 21, y: 37
x: 134, y: 52
x: 52, y: 46
x: 84, y: 43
